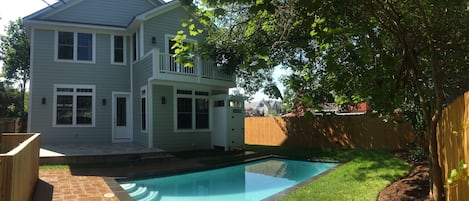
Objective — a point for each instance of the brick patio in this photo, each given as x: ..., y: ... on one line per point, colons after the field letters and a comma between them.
x: 67, y: 187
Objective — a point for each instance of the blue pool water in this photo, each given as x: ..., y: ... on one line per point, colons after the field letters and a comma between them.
x: 250, y: 181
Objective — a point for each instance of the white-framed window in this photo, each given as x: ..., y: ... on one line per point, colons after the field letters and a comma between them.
x: 192, y: 110
x: 118, y: 47
x: 74, y: 105
x: 143, y: 109
x: 169, y: 43
x: 135, y: 46
x: 75, y: 47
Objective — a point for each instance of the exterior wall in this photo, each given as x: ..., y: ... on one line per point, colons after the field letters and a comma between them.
x: 164, y: 136
x: 47, y: 72
x: 109, y: 78
x: 118, y: 13
x: 166, y: 23
x: 142, y: 71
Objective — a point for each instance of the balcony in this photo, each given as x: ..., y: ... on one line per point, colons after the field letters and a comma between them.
x: 202, y: 68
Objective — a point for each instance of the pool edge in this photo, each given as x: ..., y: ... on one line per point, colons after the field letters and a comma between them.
x: 302, y: 184
x: 122, y: 195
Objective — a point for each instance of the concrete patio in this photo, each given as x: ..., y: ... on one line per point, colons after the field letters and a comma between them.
x: 58, y: 150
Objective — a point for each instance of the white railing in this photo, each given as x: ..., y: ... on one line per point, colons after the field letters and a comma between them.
x: 211, y: 70
x: 203, y: 68
x: 168, y: 65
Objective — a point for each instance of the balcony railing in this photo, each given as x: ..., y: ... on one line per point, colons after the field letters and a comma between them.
x: 203, y: 68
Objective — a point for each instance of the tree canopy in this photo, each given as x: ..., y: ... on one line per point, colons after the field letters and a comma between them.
x: 14, y: 52
x: 394, y: 54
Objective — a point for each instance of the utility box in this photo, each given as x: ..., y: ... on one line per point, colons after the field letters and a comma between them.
x: 228, y: 122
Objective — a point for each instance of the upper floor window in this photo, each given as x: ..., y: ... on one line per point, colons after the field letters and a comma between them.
x: 134, y: 46
x: 118, y: 50
x: 65, y: 49
x: 74, y: 46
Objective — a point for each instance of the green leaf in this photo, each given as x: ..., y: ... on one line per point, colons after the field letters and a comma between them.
x: 454, y: 173
x: 462, y: 165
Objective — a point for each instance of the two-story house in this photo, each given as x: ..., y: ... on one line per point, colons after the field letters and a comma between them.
x: 103, y: 72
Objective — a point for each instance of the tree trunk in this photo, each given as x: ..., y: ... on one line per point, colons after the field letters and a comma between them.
x: 436, y: 182
x: 22, y: 112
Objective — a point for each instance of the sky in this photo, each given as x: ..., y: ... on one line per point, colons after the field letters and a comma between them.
x: 14, y: 9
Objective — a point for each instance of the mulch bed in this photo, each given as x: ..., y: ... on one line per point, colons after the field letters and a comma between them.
x: 415, y: 186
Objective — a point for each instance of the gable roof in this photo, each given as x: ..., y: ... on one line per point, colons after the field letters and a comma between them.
x: 113, y: 13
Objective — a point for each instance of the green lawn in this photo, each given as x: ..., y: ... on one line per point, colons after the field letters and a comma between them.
x: 362, y: 178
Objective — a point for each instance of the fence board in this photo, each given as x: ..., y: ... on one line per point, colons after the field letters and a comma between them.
x: 20, y: 169
x: 452, y: 136
x: 328, y: 132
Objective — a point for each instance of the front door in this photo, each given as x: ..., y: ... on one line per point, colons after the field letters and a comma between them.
x: 121, y: 118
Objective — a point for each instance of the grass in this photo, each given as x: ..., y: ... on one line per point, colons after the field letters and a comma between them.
x: 362, y: 178
x: 53, y: 167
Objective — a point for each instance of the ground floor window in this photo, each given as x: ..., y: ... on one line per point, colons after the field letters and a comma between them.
x: 74, y: 105
x: 192, y: 110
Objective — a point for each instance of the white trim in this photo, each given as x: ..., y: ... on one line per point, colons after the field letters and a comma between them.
x: 74, y: 94
x: 143, y: 88
x: 124, y: 50
x: 130, y: 116
x: 75, y: 48
x: 193, y: 97
x: 150, y: 114
x: 75, y: 26
x: 140, y: 40
x: 31, y: 74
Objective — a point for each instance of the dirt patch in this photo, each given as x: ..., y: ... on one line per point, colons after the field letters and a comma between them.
x: 415, y: 186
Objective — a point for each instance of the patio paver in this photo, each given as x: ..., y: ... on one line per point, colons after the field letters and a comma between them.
x: 67, y: 187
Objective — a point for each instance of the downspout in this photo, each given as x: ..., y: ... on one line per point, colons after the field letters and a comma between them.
x: 31, y: 69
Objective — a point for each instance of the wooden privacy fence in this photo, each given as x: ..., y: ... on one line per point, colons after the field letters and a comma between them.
x: 19, y: 166
x: 10, y: 125
x: 453, y: 138
x: 328, y: 132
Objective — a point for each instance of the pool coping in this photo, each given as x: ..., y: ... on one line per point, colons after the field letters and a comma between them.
x: 304, y: 183
x: 122, y: 195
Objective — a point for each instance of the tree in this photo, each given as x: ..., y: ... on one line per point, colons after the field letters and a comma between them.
x: 14, y: 52
x: 392, y: 53
x: 9, y: 101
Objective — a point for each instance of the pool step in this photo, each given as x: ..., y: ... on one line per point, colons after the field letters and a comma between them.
x: 129, y: 187
x: 140, y: 192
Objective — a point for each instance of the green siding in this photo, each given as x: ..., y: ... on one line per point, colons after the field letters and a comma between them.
x: 47, y: 72
x: 166, y: 23
x: 142, y: 71
x: 164, y: 136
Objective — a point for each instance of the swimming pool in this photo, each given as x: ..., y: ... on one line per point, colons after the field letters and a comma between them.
x: 250, y: 181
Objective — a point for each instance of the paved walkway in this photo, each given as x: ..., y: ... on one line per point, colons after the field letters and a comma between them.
x: 66, y: 187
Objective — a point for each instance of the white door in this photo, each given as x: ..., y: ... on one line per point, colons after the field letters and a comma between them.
x: 121, y: 118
